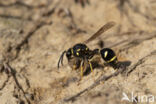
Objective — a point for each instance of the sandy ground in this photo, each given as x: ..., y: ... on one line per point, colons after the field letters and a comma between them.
x: 34, y: 33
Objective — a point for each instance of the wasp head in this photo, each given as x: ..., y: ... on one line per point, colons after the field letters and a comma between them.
x: 69, y: 53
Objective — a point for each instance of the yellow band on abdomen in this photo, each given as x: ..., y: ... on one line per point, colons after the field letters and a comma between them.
x: 112, y: 59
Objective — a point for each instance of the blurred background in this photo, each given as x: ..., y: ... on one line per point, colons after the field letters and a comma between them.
x: 34, y: 33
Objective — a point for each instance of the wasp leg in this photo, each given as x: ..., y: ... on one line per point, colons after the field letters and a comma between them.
x: 81, y: 71
x: 91, y: 68
x: 82, y: 68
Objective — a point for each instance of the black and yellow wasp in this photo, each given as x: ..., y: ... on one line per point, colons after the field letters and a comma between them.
x: 80, y: 53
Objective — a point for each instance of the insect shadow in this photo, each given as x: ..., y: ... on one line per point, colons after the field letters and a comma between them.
x: 96, y: 65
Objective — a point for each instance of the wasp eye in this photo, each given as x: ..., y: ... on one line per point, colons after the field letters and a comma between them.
x: 69, y: 53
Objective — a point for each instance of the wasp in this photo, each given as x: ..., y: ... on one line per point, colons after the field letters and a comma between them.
x: 80, y: 53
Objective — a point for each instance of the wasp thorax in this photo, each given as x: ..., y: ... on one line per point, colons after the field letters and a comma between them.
x: 80, y: 50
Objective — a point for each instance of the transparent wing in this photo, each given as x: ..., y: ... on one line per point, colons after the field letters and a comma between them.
x: 100, y: 31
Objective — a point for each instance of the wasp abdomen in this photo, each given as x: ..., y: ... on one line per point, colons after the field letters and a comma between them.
x: 108, y: 55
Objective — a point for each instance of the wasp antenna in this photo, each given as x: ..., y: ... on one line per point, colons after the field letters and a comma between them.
x: 61, y: 59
